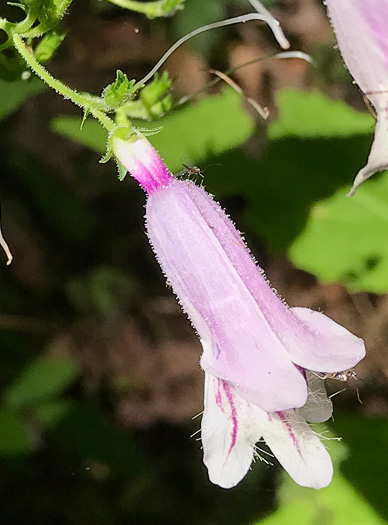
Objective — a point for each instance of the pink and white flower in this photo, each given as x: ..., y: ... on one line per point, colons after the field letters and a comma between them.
x: 231, y: 427
x: 256, y: 349
x: 361, y: 27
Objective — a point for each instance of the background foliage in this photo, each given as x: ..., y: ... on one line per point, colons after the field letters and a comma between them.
x: 99, y: 376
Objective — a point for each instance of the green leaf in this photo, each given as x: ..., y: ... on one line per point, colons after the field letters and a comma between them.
x: 92, y: 135
x: 40, y: 380
x: 345, y: 239
x: 314, y: 114
x: 46, y: 48
x: 338, y: 504
x: 51, y: 413
x: 14, y: 438
x: 280, y: 189
x: 13, y: 94
x: 367, y: 464
x: 154, y: 9
x: 214, y: 125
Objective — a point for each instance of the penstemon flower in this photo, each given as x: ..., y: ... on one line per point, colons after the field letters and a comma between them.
x: 256, y: 349
x: 361, y: 27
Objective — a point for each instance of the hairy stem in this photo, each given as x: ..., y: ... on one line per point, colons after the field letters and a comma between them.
x: 94, y: 105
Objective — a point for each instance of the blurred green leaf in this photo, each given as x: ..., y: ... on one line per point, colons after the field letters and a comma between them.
x: 153, y: 9
x: 46, y: 48
x: 346, y: 240
x: 43, y: 378
x: 337, y: 504
x: 367, y: 465
x: 92, y: 135
x: 213, y: 125
x: 14, y: 438
x: 100, y: 291
x: 295, y: 194
x: 51, y: 412
x: 13, y: 94
x: 280, y: 189
x: 314, y: 114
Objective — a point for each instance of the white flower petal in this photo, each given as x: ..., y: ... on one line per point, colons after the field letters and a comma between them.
x: 318, y: 406
x: 228, y: 433
x: 298, y: 449
x: 378, y: 157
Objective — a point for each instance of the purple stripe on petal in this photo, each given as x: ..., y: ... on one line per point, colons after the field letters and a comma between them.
x: 284, y: 418
x: 233, y: 416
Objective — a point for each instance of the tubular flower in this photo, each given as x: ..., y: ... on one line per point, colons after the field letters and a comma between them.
x: 361, y: 28
x: 255, y: 348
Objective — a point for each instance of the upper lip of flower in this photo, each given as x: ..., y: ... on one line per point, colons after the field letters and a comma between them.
x: 251, y: 338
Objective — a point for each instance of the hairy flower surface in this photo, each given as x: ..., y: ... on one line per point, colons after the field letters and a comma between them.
x: 361, y: 27
x: 256, y: 349
x: 231, y: 427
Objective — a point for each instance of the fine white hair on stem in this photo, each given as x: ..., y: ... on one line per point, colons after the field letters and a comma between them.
x: 6, y: 249
x: 273, y: 24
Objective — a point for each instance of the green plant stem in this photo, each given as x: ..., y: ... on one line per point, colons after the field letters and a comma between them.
x: 93, y: 105
x: 7, y: 28
x: 49, y: 23
x: 27, y: 23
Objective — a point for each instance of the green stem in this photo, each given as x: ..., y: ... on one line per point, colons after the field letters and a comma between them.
x: 7, y: 28
x: 90, y: 104
x: 27, y: 23
x: 49, y: 23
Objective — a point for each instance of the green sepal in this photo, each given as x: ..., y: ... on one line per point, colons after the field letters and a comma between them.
x: 108, y: 155
x: 154, y: 100
x: 149, y: 132
x: 84, y: 117
x: 155, y: 89
x: 122, y: 170
x: 48, y: 46
x: 120, y: 91
x: 120, y: 133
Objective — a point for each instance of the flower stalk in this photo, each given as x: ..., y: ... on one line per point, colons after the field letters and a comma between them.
x: 93, y: 105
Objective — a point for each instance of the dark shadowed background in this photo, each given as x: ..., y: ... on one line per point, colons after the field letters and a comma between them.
x: 99, y: 371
